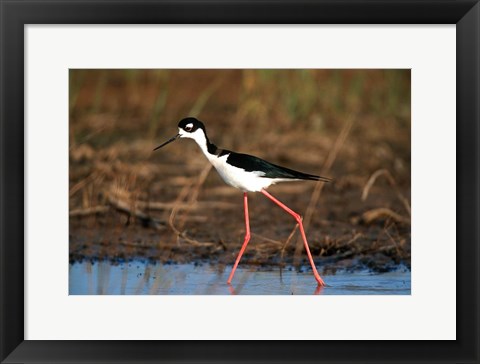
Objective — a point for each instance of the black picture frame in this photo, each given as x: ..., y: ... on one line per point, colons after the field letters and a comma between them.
x: 16, y: 14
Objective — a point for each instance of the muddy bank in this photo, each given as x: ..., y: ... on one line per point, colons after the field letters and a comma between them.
x: 344, y: 233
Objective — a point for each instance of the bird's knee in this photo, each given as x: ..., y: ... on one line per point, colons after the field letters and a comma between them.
x: 298, y: 217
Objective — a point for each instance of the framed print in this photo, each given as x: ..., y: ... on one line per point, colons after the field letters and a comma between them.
x: 120, y: 242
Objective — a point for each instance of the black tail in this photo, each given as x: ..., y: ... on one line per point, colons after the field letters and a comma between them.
x: 312, y: 177
x: 251, y: 163
x: 283, y: 172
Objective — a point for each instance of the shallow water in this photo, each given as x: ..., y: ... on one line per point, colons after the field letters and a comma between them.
x: 141, y: 278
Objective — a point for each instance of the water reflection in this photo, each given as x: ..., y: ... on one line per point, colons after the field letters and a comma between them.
x: 140, y: 278
x: 318, y: 290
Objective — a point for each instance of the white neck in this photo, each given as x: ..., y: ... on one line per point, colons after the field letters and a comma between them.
x: 200, y: 138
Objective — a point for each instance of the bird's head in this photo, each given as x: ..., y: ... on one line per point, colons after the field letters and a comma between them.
x: 188, y: 128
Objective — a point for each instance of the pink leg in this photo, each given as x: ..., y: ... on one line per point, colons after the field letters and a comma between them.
x: 247, y: 238
x: 300, y: 225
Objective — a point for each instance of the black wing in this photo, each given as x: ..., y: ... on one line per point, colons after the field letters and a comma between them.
x: 251, y: 163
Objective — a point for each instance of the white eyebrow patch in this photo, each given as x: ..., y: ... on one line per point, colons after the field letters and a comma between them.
x: 189, y: 125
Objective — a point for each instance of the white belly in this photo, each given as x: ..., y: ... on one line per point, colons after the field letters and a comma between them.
x: 239, y: 178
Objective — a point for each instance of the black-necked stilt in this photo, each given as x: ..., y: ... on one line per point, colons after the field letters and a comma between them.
x: 248, y: 173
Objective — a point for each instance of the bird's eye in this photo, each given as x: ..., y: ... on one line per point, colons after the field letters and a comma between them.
x: 188, y: 128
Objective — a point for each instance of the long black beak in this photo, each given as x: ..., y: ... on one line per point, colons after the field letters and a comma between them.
x: 168, y: 141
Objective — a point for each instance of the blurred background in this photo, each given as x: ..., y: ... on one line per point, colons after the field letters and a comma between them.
x: 127, y: 202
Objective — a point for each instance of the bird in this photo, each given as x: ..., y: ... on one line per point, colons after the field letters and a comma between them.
x: 249, y: 174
